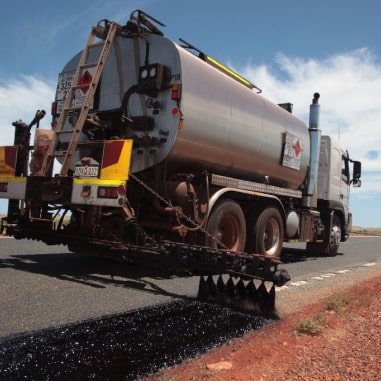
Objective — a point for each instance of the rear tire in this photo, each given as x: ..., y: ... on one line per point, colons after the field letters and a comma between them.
x: 227, y: 224
x: 268, y: 234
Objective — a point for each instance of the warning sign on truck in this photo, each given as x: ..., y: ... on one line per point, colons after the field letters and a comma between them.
x: 81, y: 93
x: 65, y: 81
x: 292, y: 154
x: 8, y: 155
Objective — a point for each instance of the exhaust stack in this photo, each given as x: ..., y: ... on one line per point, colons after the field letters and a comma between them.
x: 315, y: 134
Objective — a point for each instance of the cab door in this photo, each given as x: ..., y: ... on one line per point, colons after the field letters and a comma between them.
x: 339, y: 180
x: 345, y: 184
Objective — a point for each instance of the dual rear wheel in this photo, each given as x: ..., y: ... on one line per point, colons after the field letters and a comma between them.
x: 227, y: 225
x: 262, y: 234
x: 266, y: 236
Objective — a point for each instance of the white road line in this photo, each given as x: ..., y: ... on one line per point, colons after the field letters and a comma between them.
x: 323, y: 277
x: 329, y: 275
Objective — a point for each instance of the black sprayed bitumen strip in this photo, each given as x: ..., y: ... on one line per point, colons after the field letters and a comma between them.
x: 123, y: 347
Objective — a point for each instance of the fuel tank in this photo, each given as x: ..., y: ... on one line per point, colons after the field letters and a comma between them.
x: 212, y: 123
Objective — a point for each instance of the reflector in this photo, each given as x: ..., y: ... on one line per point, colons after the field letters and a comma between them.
x: 54, y: 108
x: 108, y: 192
x: 176, y: 92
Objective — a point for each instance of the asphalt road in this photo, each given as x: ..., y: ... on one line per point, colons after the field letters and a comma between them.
x: 47, y: 286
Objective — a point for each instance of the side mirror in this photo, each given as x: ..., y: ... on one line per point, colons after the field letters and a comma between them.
x: 356, y: 182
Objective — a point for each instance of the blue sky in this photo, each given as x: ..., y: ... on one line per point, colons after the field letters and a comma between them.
x: 290, y: 49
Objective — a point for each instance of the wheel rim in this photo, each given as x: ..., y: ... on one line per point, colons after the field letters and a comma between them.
x: 335, y: 236
x: 227, y: 232
x: 226, y: 224
x: 271, y: 236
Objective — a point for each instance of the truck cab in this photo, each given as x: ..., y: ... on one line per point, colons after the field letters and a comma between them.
x: 334, y: 181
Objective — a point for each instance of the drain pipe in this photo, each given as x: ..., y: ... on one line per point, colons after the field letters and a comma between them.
x: 315, y: 135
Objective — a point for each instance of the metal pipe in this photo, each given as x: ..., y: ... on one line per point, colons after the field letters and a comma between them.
x: 315, y: 135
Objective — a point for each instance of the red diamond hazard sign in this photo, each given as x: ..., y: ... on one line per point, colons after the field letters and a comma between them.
x: 85, y: 79
x: 298, y: 148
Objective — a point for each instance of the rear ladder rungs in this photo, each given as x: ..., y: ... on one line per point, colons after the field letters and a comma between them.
x: 56, y: 154
x: 89, y: 65
x: 76, y: 87
x: 72, y: 109
x: 96, y: 44
x: 67, y: 132
x: 110, y: 32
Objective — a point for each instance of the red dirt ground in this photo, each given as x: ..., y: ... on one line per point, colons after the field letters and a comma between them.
x: 347, y: 348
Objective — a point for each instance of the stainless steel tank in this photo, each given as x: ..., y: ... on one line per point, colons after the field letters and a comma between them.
x: 219, y: 124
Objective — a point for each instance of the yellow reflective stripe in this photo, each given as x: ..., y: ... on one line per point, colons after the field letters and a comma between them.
x: 98, y: 182
x: 229, y: 71
x: 12, y: 179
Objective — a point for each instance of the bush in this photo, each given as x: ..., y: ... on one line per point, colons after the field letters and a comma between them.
x: 311, y: 326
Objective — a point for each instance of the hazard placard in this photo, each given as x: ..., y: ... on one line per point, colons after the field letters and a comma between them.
x: 85, y: 79
x: 65, y: 81
x: 292, y: 153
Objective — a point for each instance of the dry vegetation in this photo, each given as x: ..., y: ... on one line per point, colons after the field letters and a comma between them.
x: 357, y: 230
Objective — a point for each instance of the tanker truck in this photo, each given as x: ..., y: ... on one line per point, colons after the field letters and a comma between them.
x: 170, y: 159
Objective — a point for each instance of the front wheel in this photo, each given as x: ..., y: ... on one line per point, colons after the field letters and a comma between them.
x: 267, y: 235
x: 227, y: 225
x: 330, y: 246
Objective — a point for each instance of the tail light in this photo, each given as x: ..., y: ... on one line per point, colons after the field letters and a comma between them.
x: 111, y: 192
x: 121, y: 190
x: 54, y: 108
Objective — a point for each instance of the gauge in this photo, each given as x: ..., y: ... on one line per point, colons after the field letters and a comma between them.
x: 152, y: 72
x: 144, y: 74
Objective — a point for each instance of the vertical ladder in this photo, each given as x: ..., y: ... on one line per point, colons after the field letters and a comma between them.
x: 106, y: 34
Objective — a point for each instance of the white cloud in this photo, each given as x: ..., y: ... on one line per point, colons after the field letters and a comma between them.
x: 371, y: 185
x: 350, y: 88
x: 20, y: 99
